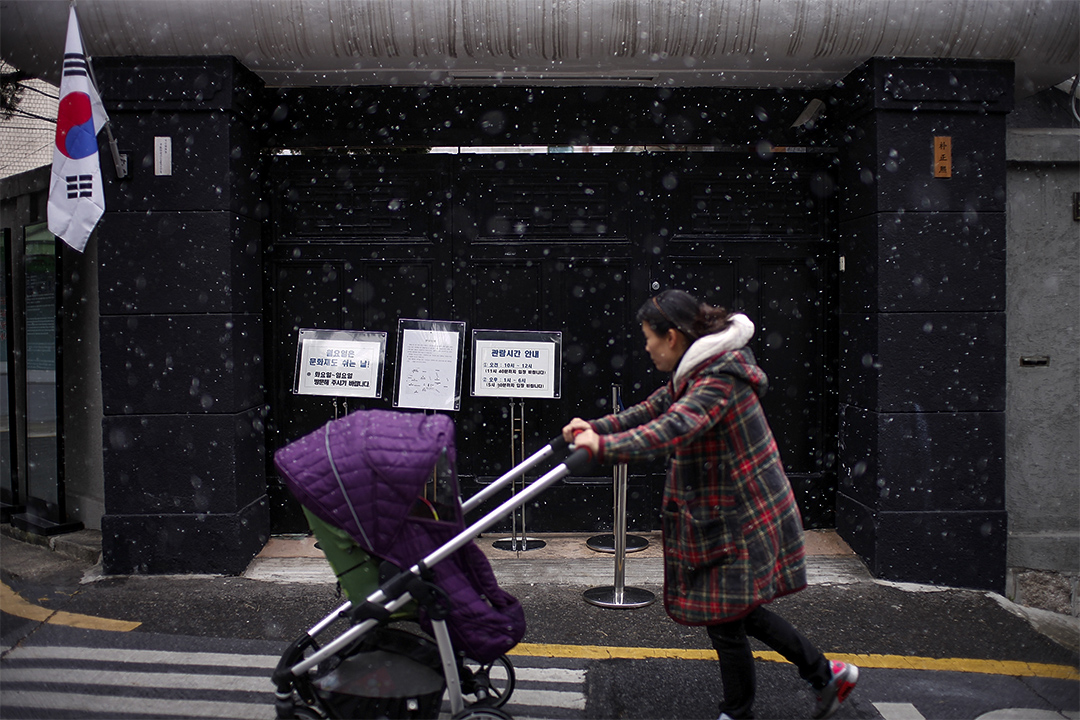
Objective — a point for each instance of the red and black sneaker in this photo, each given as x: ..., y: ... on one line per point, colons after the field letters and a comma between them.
x: 844, y: 677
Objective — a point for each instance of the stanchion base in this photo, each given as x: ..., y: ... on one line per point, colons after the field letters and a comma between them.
x: 518, y: 544
x: 606, y: 543
x: 606, y: 597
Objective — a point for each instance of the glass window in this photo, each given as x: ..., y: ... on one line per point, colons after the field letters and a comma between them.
x: 42, y: 446
x: 8, y: 489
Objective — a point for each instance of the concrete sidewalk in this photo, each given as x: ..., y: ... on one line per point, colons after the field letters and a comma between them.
x: 565, y: 559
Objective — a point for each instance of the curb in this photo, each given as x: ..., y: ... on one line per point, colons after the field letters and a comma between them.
x: 1062, y: 629
x: 82, y: 545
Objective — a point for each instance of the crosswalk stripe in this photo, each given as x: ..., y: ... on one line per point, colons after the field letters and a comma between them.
x: 547, y: 699
x: 173, y: 680
x: 268, y: 662
x: 898, y: 711
x: 28, y: 700
x: 551, y: 675
x: 149, y: 657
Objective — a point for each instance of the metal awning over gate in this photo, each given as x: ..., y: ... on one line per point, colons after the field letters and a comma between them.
x: 702, y: 43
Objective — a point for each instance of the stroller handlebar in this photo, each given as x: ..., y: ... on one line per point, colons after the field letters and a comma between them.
x: 579, y: 460
x: 556, y: 446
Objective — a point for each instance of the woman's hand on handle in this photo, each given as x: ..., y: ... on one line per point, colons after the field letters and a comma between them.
x: 573, y: 428
x: 589, y: 440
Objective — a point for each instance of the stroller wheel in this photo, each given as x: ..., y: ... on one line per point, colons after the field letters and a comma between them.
x: 482, y: 713
x: 304, y: 713
x: 492, y: 684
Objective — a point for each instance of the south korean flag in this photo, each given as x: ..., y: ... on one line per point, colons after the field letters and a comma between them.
x: 76, y: 199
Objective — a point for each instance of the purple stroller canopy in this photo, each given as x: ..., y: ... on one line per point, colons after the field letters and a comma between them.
x: 363, y: 473
x: 367, y: 473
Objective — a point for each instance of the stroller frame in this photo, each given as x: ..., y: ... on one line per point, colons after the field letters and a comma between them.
x: 292, y: 675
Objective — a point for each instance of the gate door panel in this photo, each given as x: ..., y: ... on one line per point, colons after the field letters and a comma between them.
x: 749, y: 234
x: 548, y: 245
x: 358, y: 242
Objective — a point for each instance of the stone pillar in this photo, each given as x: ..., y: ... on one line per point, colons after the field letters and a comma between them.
x: 922, y: 320
x: 181, y: 318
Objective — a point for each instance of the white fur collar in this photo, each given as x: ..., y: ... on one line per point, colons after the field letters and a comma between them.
x: 735, y: 336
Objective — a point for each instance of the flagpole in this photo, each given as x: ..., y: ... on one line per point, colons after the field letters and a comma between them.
x: 119, y: 161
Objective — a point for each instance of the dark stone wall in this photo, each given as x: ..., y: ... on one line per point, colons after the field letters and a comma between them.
x: 922, y: 321
x: 181, y: 320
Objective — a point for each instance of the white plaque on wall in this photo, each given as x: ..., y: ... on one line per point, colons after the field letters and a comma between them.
x: 517, y: 364
x: 429, y: 364
x: 344, y: 363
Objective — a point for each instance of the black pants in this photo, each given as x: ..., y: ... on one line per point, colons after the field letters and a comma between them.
x: 737, y: 660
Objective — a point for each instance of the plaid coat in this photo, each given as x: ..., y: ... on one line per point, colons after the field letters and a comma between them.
x: 733, y: 535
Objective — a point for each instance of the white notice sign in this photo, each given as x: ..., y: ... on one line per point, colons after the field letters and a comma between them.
x: 512, y: 368
x: 339, y: 367
x: 428, y: 369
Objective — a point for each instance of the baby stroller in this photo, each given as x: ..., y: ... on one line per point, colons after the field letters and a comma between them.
x: 380, y: 490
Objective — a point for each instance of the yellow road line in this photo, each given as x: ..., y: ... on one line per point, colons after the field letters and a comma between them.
x: 13, y: 604
x: 888, y: 662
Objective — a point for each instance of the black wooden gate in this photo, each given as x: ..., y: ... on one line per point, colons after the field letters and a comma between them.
x: 560, y: 242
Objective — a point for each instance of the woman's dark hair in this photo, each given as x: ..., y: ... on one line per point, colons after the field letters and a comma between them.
x: 682, y: 311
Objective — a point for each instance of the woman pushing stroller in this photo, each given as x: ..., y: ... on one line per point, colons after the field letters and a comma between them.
x: 733, y: 538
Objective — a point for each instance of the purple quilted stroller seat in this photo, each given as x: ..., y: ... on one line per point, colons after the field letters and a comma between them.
x: 389, y: 480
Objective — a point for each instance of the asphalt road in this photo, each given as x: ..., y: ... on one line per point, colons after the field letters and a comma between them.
x: 935, y: 653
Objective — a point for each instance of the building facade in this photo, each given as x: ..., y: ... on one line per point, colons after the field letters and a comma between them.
x: 870, y: 225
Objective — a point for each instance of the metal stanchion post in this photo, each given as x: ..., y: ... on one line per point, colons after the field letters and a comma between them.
x: 618, y: 595
x: 515, y: 542
x: 606, y: 542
